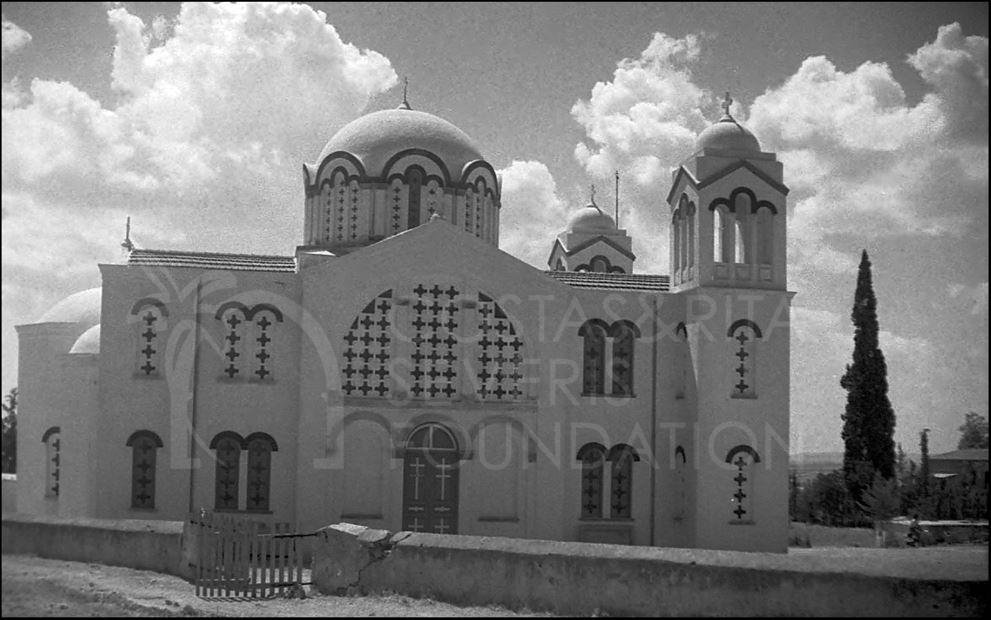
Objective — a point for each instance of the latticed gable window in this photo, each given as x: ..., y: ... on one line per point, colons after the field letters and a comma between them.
x: 500, y: 348
x: 228, y: 470
x: 743, y: 460
x: 368, y: 347
x: 260, y: 449
x: 745, y: 334
x: 435, y: 318
x: 593, y: 334
x: 144, y: 446
x: 53, y: 460
x: 150, y: 317
x: 592, y: 457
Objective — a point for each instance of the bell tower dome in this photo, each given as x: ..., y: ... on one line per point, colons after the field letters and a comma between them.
x: 728, y: 212
x: 592, y: 242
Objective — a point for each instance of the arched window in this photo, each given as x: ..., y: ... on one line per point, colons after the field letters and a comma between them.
x: 228, y: 471
x: 469, y: 209
x: 765, y: 235
x: 592, y: 457
x: 743, y: 459
x: 340, y: 204
x: 260, y: 449
x: 265, y: 319
x: 144, y: 446
x: 745, y: 333
x: 355, y: 190
x: 53, y: 460
x: 722, y: 236
x: 593, y: 354
x: 559, y: 266
x: 690, y: 241
x: 599, y: 264
x: 741, y: 209
x: 150, y: 316
x: 741, y: 245
x: 676, y: 239
x: 621, y: 457
x: 681, y: 480
x: 235, y: 324
x: 684, y: 359
x: 415, y: 179
x: 247, y: 346
x: 397, y: 194
x: 624, y: 335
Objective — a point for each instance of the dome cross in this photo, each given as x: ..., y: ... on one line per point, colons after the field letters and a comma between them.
x: 727, y: 102
x: 405, y: 104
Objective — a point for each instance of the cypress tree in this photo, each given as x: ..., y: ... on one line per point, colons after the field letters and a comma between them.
x: 869, y: 420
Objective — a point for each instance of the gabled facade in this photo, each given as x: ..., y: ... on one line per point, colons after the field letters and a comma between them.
x: 401, y: 371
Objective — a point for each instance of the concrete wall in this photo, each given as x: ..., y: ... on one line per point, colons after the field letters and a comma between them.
x: 574, y: 578
x: 145, y: 545
x: 10, y: 493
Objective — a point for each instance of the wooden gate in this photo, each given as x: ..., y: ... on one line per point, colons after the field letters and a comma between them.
x: 238, y: 556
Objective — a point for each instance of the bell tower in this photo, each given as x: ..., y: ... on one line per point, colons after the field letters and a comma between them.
x: 728, y: 244
x: 727, y: 205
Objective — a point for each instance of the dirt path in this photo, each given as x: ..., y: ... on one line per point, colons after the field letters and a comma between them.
x: 35, y: 586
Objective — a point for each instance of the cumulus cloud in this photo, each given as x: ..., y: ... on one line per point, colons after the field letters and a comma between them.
x: 532, y: 212
x: 14, y: 38
x: 219, y: 116
x: 216, y: 112
x: 861, y: 161
x: 643, y: 122
x: 859, y: 157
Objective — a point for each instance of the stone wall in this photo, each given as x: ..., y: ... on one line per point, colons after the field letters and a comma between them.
x: 145, y: 545
x: 580, y: 578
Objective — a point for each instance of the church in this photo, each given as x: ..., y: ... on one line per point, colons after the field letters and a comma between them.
x: 400, y: 371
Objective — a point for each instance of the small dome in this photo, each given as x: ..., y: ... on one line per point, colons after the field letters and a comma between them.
x: 727, y: 134
x: 376, y: 137
x: 591, y: 219
x: 88, y: 342
x: 82, y: 307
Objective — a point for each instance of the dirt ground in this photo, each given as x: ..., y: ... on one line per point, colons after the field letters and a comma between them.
x: 35, y: 586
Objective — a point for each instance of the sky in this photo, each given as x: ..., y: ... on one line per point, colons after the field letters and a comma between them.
x: 195, y: 119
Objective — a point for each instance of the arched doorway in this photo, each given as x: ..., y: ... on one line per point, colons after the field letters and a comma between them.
x: 430, y: 481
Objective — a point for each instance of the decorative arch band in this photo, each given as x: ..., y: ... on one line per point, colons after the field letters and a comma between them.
x: 745, y: 450
x: 249, y: 313
x: 730, y: 203
x: 136, y: 435
x: 228, y: 435
x: 143, y: 303
x: 744, y: 323
x: 49, y: 433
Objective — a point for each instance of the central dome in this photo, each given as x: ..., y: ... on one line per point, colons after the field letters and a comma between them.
x: 376, y: 137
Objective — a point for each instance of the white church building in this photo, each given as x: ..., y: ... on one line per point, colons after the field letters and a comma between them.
x: 400, y: 371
